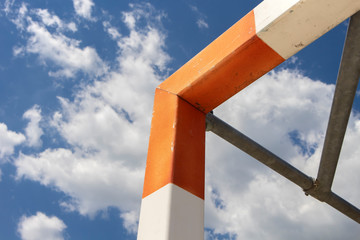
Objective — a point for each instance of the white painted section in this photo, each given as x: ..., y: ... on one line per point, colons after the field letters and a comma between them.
x: 269, y: 10
x: 288, y: 26
x: 171, y: 213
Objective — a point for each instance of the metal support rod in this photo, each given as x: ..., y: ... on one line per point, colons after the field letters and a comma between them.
x: 266, y: 157
x: 255, y: 150
x: 336, y: 202
x: 343, y: 206
x: 345, y: 91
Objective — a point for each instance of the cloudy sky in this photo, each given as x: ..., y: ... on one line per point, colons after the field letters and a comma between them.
x: 77, y: 81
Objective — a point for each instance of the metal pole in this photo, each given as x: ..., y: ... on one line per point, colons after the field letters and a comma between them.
x: 255, y: 150
x: 266, y: 157
x: 345, y: 91
x: 343, y: 206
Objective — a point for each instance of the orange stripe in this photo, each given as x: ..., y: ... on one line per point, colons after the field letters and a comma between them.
x: 176, y: 151
x: 229, y: 64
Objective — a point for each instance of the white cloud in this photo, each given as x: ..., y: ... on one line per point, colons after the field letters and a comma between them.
x: 201, y: 18
x: 20, y: 14
x: 94, y: 181
x: 8, y: 141
x: 18, y: 51
x: 52, y: 20
x: 8, y: 5
x: 46, y: 39
x: 64, y: 52
x: 33, y: 131
x: 130, y: 220
x: 47, y: 18
x: 107, y: 126
x: 201, y: 23
x: 287, y: 113
x: 112, y: 31
x: 40, y: 226
x: 83, y: 8
x: 144, y: 48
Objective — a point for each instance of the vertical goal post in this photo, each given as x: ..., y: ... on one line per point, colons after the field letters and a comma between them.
x: 173, y: 195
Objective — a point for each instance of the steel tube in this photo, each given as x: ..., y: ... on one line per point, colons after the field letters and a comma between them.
x: 345, y: 91
x: 266, y: 157
x: 258, y: 152
x: 336, y: 202
x: 343, y: 206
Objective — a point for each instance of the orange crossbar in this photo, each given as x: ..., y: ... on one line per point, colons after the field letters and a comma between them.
x: 229, y: 64
x: 177, y: 138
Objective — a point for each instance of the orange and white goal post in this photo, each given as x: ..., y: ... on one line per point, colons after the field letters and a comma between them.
x: 173, y: 195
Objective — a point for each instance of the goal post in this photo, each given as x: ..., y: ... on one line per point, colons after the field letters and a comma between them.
x: 173, y: 195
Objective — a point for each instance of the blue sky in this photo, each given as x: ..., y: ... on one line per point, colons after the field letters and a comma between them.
x: 77, y: 81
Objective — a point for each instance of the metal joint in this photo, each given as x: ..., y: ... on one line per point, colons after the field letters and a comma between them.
x: 313, y: 187
x: 208, y: 123
x: 318, y: 192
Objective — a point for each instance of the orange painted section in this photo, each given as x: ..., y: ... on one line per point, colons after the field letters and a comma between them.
x: 176, y: 151
x: 230, y: 63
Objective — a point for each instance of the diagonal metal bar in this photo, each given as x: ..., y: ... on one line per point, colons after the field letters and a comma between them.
x: 266, y: 157
x: 343, y: 206
x: 336, y: 202
x: 345, y: 91
x: 258, y: 152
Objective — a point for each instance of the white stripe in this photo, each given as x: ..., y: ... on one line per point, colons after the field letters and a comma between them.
x: 269, y: 10
x: 171, y: 213
x: 287, y: 26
